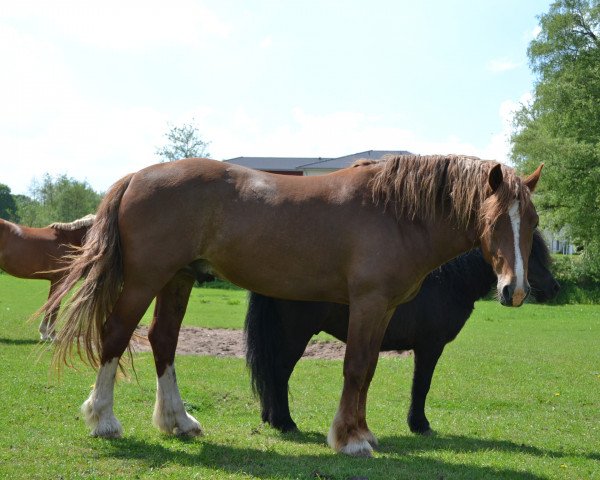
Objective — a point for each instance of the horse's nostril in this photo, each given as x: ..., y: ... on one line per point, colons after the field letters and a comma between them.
x: 506, y: 292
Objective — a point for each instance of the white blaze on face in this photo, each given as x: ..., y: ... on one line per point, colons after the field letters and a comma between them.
x: 515, y: 221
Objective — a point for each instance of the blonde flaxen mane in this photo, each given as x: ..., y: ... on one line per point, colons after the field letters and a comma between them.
x: 86, y: 221
x: 418, y: 186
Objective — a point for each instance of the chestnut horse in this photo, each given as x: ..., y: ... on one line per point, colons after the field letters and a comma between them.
x: 366, y: 236
x: 28, y: 252
x: 277, y: 331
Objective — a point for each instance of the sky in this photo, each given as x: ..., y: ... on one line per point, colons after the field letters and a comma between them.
x: 88, y: 89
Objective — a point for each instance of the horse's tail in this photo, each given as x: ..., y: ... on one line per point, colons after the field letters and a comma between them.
x: 98, y: 261
x: 262, y: 331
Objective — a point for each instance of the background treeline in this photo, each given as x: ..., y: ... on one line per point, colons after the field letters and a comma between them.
x: 51, y: 199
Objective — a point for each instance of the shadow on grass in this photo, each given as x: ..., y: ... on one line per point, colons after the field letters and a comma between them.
x: 463, y: 444
x: 397, y: 462
x: 19, y: 341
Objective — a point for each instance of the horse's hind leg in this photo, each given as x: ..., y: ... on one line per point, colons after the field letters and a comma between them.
x: 275, y: 399
x: 169, y: 412
x: 46, y: 327
x: 116, y: 333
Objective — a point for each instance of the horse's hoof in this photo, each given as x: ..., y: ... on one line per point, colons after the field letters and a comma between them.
x: 285, y: 426
x: 108, y: 429
x: 425, y: 433
x: 193, y: 430
x: 360, y: 448
x: 45, y: 337
x: 369, y: 437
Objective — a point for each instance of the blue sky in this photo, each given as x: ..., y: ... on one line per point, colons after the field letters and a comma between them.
x: 88, y: 89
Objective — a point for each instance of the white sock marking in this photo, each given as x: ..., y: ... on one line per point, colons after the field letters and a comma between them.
x: 169, y: 413
x: 98, y: 408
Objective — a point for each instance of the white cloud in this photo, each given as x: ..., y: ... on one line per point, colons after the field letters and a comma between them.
x: 266, y: 42
x: 327, y: 135
x: 86, y: 141
x: 133, y: 24
x: 535, y: 32
x: 35, y: 81
x: 499, y: 145
x: 500, y: 65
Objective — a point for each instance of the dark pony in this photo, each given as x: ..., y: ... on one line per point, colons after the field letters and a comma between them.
x: 278, y: 331
x: 354, y: 236
x: 39, y: 253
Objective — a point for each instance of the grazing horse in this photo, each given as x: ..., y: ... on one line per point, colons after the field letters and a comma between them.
x: 28, y: 252
x: 277, y: 331
x: 366, y: 236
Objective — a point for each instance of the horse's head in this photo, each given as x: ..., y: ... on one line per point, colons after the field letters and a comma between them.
x: 508, y: 222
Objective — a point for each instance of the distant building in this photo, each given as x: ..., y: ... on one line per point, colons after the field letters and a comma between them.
x: 309, y: 165
x: 559, y: 242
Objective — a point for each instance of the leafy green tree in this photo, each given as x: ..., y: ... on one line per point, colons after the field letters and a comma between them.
x: 561, y: 126
x: 183, y: 142
x: 59, y: 199
x: 8, y: 206
x: 28, y: 211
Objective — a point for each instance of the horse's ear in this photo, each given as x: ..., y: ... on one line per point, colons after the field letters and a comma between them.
x: 495, y: 178
x: 532, y: 180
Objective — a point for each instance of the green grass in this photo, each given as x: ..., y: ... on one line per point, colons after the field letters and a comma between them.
x: 517, y: 395
x: 212, y: 308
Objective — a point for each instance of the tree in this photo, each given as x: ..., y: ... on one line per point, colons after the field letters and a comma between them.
x: 59, y: 199
x: 561, y: 126
x: 184, y: 142
x: 8, y: 206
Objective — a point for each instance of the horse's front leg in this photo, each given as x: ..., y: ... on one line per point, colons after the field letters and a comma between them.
x: 362, y: 403
x: 369, y: 316
x: 426, y: 359
x: 116, y: 333
x: 170, y: 415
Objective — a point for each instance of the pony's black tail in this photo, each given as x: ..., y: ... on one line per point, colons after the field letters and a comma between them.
x: 262, y: 332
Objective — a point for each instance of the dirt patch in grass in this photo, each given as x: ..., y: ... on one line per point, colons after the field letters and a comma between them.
x: 230, y: 343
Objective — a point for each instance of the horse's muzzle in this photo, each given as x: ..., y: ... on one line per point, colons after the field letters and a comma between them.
x: 513, y: 297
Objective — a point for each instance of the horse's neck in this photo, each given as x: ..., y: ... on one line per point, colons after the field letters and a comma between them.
x: 446, y: 241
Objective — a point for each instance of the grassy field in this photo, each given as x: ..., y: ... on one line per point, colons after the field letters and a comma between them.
x: 516, y: 396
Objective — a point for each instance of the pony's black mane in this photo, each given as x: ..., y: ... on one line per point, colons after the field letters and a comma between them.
x: 540, y: 251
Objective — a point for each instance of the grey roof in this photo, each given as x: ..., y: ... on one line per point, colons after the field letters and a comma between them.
x: 274, y: 163
x: 347, y: 160
x: 281, y: 164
